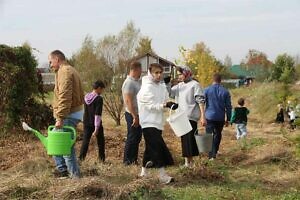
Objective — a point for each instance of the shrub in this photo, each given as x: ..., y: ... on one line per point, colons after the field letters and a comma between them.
x: 21, y: 88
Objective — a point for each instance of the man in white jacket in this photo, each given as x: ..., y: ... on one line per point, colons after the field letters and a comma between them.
x: 152, y: 98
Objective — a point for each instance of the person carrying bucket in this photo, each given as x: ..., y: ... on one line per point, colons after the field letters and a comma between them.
x: 67, y: 108
x: 217, y: 106
x: 190, y: 98
x: 152, y: 98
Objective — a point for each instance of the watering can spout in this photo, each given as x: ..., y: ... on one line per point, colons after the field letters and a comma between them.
x: 42, y: 138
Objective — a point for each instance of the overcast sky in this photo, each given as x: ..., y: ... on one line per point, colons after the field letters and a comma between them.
x: 227, y: 27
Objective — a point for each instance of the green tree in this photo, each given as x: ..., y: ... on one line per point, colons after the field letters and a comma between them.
x: 21, y: 89
x: 107, y: 60
x: 283, y: 69
x: 144, y: 46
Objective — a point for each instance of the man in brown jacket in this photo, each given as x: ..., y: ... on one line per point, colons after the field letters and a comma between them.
x: 67, y: 107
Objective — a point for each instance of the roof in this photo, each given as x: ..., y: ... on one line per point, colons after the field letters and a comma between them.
x: 155, y: 56
x: 240, y: 71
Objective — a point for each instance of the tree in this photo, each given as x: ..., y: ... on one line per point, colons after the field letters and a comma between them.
x: 107, y: 60
x: 283, y: 69
x: 257, y: 63
x: 202, y: 63
x: 21, y: 89
x: 144, y: 46
x: 227, y: 61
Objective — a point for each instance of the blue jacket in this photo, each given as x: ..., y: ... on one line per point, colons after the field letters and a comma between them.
x: 218, y: 101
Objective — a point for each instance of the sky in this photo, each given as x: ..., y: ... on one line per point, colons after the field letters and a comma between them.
x: 227, y: 27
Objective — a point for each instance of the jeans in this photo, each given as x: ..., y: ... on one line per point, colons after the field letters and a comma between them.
x: 134, y: 136
x: 215, y: 128
x: 241, y: 130
x: 68, y: 163
x: 88, y: 131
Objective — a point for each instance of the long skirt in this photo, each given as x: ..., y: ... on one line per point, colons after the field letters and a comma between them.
x: 188, y: 142
x: 156, y: 149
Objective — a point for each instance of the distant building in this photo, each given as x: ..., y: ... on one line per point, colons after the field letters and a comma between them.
x: 149, y: 58
x: 241, y: 76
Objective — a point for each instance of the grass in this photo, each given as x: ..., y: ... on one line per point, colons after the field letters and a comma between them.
x: 264, y: 166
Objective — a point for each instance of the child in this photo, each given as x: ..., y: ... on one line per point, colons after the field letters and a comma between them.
x: 280, y: 114
x: 239, y: 117
x: 93, y: 104
x: 292, y: 116
x: 151, y: 100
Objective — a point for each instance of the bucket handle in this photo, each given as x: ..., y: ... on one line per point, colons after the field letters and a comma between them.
x: 197, y: 133
x: 170, y: 112
x: 51, y: 127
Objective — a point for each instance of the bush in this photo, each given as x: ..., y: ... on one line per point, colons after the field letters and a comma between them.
x: 20, y: 88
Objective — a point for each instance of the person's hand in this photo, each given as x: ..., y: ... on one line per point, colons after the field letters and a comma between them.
x: 167, y: 79
x: 136, y: 121
x: 95, y: 133
x: 226, y: 123
x: 203, y: 121
x: 172, y: 105
x: 59, y: 124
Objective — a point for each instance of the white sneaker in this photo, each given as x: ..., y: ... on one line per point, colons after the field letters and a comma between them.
x: 166, y: 179
x: 144, y: 175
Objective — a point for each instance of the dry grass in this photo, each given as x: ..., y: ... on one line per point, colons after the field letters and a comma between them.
x: 265, y: 166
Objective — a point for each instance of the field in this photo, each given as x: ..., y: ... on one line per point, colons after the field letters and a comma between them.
x: 264, y: 166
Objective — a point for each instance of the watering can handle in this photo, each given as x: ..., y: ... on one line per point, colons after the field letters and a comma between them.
x: 50, y: 128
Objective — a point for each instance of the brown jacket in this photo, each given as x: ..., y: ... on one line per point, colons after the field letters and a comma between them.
x: 68, y: 92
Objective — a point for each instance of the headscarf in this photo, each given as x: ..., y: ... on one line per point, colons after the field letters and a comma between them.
x: 187, y: 72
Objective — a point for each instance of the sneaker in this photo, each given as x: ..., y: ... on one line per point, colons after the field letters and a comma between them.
x: 166, y: 179
x: 58, y: 174
x: 144, y: 175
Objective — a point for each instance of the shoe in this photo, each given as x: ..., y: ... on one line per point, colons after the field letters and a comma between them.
x: 58, y: 174
x: 166, y: 179
x: 144, y: 175
x: 211, y: 159
x: 149, y: 164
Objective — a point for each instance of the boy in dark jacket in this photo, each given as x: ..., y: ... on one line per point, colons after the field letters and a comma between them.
x: 239, y: 117
x: 93, y: 103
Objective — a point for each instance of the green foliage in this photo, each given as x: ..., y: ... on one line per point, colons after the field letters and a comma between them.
x: 108, y: 60
x: 20, y: 85
x: 283, y: 69
x: 144, y: 46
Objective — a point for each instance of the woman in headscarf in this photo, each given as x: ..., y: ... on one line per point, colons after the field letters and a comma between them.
x: 190, y: 98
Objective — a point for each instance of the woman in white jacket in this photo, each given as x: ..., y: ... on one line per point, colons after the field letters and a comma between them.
x: 152, y: 98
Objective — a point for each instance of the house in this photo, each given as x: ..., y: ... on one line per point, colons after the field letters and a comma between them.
x: 241, y: 75
x: 149, y: 58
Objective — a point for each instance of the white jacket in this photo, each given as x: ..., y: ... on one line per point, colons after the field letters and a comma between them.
x: 151, y: 99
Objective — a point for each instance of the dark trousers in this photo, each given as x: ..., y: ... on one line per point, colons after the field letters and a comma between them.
x: 88, y: 131
x: 215, y: 128
x: 156, y: 149
x: 134, y: 136
x: 188, y: 142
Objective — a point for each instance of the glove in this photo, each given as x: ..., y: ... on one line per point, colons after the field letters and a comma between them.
x: 167, y: 79
x: 170, y: 104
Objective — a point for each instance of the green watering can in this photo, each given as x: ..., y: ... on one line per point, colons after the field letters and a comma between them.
x: 58, y: 142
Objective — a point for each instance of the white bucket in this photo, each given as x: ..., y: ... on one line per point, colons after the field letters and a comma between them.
x: 179, y: 122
